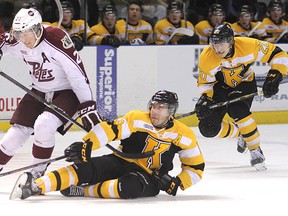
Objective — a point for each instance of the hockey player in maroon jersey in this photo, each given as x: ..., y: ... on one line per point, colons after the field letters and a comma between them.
x: 57, y: 74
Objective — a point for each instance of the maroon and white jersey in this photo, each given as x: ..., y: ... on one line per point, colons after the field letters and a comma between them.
x: 54, y: 64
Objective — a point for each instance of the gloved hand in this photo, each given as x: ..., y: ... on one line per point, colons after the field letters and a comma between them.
x: 271, y: 84
x: 202, y: 106
x: 77, y: 41
x: 111, y: 40
x: 167, y: 183
x: 137, y: 41
x: 89, y: 115
x: 78, y: 152
x: 189, y: 39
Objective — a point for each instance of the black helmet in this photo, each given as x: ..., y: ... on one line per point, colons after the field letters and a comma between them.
x: 66, y: 5
x: 165, y: 97
x: 109, y: 9
x: 275, y: 4
x: 248, y: 9
x: 175, y: 5
x: 216, y: 9
x: 222, y: 33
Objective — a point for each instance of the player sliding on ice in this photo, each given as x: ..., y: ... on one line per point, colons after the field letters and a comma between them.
x: 111, y: 176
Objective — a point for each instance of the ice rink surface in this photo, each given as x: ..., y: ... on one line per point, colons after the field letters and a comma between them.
x: 230, y: 186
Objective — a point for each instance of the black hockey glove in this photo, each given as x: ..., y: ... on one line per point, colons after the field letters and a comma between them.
x: 78, y: 152
x: 271, y: 84
x: 111, y: 40
x: 202, y: 106
x: 77, y: 41
x: 189, y: 39
x: 167, y: 183
x: 89, y: 115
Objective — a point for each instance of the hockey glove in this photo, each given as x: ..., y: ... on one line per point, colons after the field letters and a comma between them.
x: 271, y: 84
x: 89, y: 115
x: 189, y: 39
x: 77, y: 41
x: 202, y: 106
x: 167, y: 183
x: 111, y: 40
x: 78, y: 152
x: 137, y: 41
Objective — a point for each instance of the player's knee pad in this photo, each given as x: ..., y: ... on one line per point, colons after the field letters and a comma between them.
x: 132, y: 185
x: 238, y: 110
x: 209, y: 128
x: 45, y: 128
x: 15, y: 138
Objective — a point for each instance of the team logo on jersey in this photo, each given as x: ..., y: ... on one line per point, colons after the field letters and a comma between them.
x: 67, y: 43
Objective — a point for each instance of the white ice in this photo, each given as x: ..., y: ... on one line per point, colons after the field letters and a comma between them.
x: 230, y: 186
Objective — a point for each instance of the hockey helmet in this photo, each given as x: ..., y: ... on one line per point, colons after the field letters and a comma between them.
x: 67, y: 6
x: 109, y: 9
x: 216, y: 9
x: 175, y: 6
x: 165, y: 97
x: 246, y: 9
x: 275, y: 4
x: 27, y: 20
x: 222, y: 33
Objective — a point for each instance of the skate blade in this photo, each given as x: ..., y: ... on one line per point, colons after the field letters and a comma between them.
x: 17, y: 191
x: 260, y: 166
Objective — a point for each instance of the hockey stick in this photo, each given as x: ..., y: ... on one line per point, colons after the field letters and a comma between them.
x: 217, y: 105
x: 64, y: 115
x: 253, y: 30
x: 184, y: 31
x: 32, y: 166
x: 281, y: 35
x: 60, y: 11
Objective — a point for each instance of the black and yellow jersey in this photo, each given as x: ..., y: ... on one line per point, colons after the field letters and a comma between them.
x: 238, y: 68
x: 143, y: 30
x: 78, y: 27
x: 272, y: 29
x: 243, y: 32
x: 101, y: 31
x: 137, y: 134
x: 203, y: 29
x: 164, y: 29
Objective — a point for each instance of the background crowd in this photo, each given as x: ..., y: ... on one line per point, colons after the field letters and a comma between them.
x: 155, y: 21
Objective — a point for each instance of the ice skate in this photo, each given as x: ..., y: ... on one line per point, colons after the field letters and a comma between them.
x: 257, y: 159
x: 24, y: 187
x: 73, y: 191
x: 241, y: 145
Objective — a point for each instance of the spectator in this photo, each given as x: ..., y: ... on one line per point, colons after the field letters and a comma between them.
x: 75, y: 28
x: 276, y: 27
x: 107, y: 30
x: 164, y: 28
x: 138, y: 31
